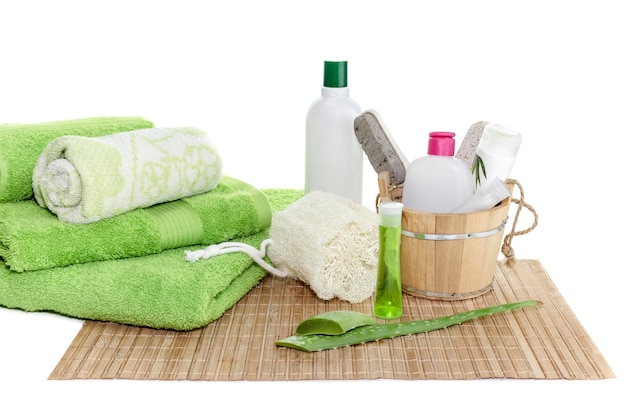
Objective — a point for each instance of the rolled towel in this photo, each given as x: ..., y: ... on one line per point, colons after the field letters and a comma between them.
x: 21, y: 145
x: 329, y: 243
x: 32, y: 238
x: 83, y: 180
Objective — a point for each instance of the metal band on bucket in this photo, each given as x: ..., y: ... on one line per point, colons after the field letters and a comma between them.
x: 460, y: 236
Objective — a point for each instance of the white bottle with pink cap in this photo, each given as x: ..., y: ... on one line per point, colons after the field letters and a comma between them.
x: 437, y: 182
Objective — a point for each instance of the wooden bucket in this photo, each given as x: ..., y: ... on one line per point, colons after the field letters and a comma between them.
x: 450, y: 256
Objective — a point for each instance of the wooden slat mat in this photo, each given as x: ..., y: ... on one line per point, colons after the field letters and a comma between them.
x: 545, y: 342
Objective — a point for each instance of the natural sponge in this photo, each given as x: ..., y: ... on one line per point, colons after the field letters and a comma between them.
x: 329, y: 243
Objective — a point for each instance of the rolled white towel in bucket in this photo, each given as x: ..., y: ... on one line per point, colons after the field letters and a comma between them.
x: 83, y: 180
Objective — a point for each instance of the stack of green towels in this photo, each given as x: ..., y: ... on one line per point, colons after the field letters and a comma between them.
x: 129, y: 268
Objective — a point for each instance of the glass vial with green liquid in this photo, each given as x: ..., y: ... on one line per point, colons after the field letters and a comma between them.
x: 388, y: 297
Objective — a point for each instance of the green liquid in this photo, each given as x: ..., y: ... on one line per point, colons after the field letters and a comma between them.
x: 388, y: 298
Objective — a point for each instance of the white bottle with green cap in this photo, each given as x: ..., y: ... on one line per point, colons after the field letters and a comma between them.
x: 334, y: 157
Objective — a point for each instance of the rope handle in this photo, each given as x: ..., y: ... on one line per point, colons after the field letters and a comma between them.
x: 507, y: 244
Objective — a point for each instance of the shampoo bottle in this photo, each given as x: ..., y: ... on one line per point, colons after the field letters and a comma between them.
x: 495, y: 154
x: 333, y: 155
x: 388, y: 296
x: 438, y: 182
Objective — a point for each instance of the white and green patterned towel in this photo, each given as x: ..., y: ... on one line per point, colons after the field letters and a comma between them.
x: 83, y: 180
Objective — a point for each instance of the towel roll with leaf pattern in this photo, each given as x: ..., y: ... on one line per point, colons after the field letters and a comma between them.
x: 83, y: 180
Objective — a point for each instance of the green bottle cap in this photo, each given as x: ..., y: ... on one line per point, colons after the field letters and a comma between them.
x: 336, y: 74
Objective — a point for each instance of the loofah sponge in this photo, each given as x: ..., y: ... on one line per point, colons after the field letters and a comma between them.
x: 329, y: 243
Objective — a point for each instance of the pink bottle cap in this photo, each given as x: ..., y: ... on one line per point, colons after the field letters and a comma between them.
x: 441, y: 143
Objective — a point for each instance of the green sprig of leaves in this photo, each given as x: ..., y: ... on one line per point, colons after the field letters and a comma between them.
x: 478, y: 166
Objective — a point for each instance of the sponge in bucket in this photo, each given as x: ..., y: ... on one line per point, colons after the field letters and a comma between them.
x: 329, y: 243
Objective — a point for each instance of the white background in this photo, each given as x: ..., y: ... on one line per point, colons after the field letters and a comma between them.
x: 246, y: 72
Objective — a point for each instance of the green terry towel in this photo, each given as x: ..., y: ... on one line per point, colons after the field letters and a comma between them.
x: 83, y: 179
x: 21, y: 145
x: 32, y: 238
x: 161, y: 291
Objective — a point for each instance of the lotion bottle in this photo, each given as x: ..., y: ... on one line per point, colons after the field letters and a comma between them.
x: 333, y: 155
x: 438, y: 182
x: 485, y: 197
x: 495, y: 154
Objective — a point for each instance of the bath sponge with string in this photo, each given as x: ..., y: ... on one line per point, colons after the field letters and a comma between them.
x: 329, y: 243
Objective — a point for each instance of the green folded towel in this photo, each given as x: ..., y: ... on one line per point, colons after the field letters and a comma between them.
x: 162, y: 291
x: 21, y: 145
x: 83, y: 180
x: 32, y: 238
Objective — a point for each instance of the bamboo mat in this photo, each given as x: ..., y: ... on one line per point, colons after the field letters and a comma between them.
x: 545, y: 342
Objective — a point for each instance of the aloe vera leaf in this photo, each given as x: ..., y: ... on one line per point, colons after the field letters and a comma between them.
x: 375, y: 332
x: 334, y: 322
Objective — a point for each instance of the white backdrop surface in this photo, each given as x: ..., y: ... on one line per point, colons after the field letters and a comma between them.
x: 246, y: 71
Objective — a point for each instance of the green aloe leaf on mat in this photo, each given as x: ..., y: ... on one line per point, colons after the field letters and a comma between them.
x: 373, y: 332
x: 334, y: 322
